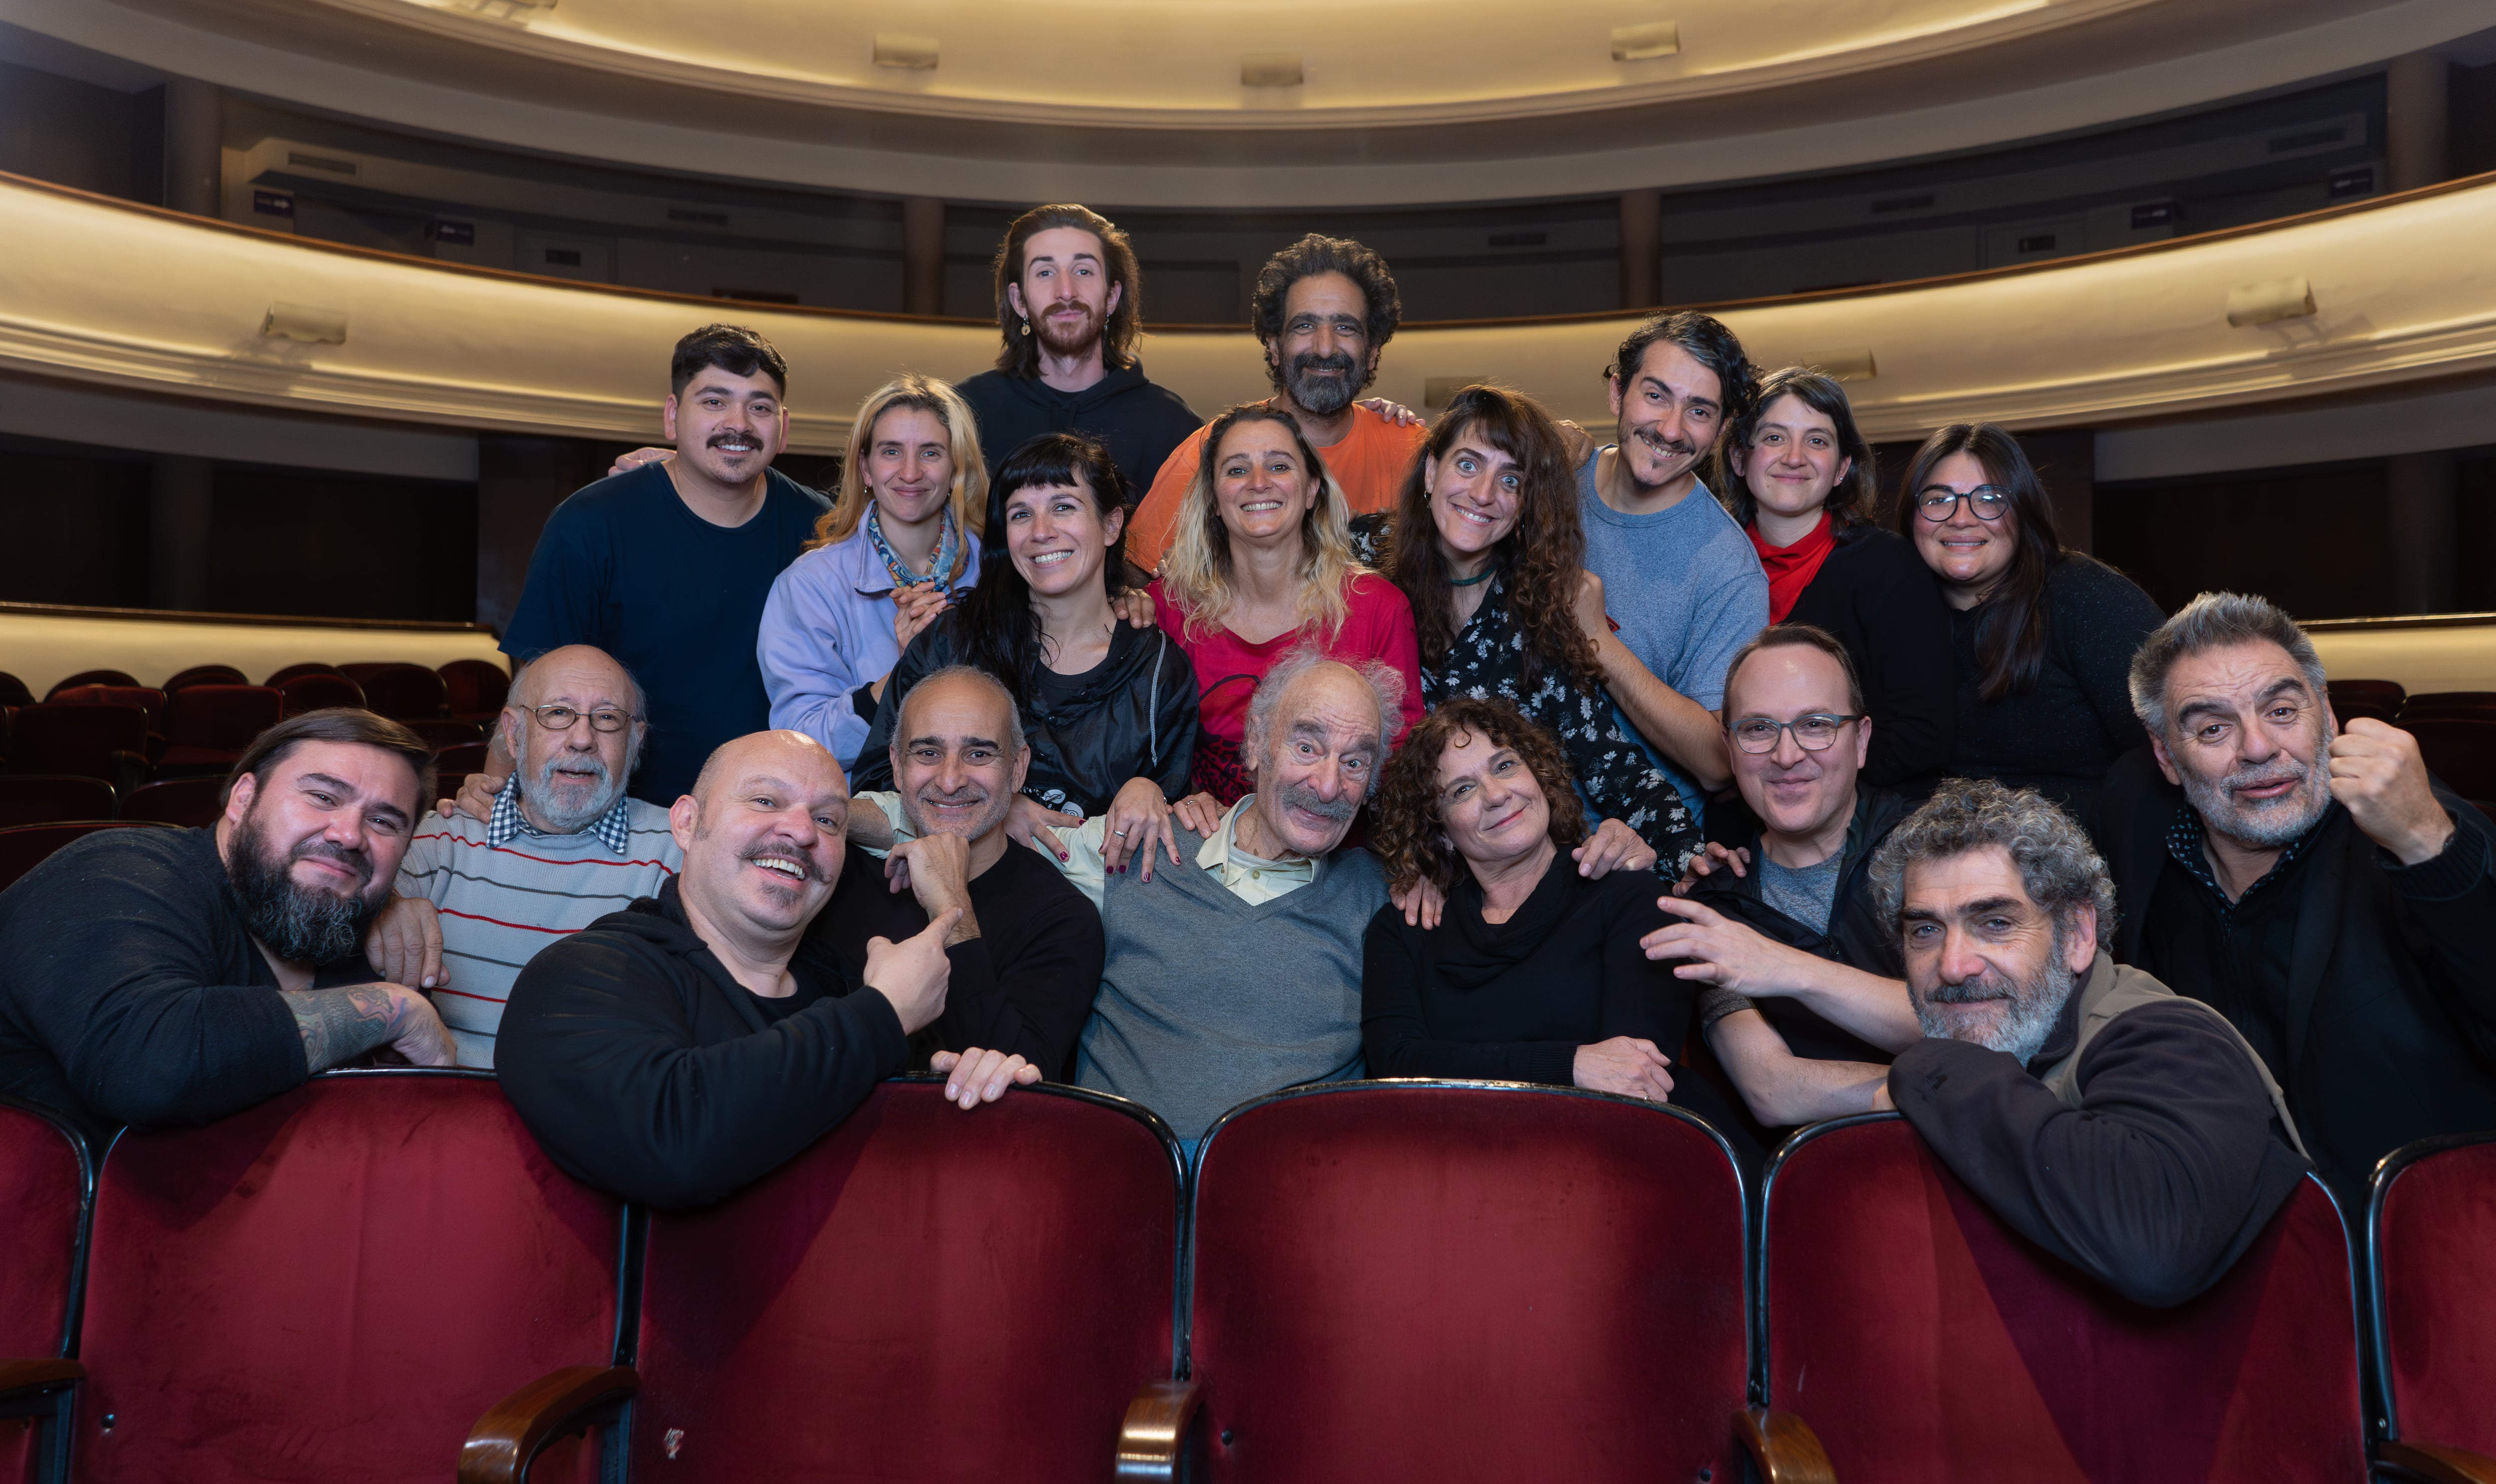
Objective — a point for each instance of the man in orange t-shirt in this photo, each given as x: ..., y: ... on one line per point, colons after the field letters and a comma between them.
x: 1324, y: 308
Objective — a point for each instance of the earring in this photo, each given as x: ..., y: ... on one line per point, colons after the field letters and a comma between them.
x: 1026, y: 327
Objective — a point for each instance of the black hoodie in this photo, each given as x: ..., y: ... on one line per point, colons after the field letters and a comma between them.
x: 1138, y: 422
x: 647, y: 1070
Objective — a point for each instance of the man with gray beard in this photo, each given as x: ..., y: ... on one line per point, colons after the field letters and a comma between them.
x: 2310, y: 882
x: 562, y: 846
x: 2126, y: 1129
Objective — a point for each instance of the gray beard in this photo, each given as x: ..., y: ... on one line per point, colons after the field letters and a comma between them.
x: 300, y: 924
x: 541, y: 794
x: 2260, y: 824
x: 2035, y: 1006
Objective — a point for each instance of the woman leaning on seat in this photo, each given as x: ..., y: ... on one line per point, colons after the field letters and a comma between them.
x: 2041, y: 639
x: 1802, y: 485
x: 1109, y: 709
x: 898, y: 546
x: 1534, y: 972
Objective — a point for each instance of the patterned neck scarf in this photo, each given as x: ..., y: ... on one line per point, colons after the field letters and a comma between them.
x: 902, y: 577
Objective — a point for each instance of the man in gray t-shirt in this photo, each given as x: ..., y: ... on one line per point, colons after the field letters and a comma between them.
x: 1676, y: 575
x: 1808, y: 894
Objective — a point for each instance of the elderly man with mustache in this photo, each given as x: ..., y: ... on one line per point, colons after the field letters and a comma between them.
x: 2310, y: 882
x: 2123, y: 1128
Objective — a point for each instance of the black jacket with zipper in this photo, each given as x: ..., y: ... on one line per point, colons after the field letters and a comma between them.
x: 1137, y: 422
x: 645, y: 1069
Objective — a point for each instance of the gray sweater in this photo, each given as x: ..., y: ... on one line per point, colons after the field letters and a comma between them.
x: 1207, y: 1002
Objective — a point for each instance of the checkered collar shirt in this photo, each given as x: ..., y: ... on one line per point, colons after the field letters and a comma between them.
x: 613, y: 829
x: 2185, y: 840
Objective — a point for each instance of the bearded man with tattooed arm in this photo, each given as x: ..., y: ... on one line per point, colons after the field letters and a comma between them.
x: 173, y: 976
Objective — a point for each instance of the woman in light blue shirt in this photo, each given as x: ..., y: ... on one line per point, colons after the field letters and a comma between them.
x: 900, y: 545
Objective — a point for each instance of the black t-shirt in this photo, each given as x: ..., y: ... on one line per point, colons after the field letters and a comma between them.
x: 1138, y: 422
x: 625, y: 565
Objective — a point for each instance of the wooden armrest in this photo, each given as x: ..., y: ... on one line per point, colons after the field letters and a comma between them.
x: 2436, y: 1466
x: 1153, y: 1438
x: 1784, y: 1448
x: 513, y: 1430
x: 34, y: 1378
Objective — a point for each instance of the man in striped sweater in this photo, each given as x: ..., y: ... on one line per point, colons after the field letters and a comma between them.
x: 565, y: 845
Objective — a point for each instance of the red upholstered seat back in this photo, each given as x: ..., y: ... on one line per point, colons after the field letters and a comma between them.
x: 924, y: 1294
x: 2434, y: 1257
x: 317, y: 691
x: 43, y: 1209
x: 56, y: 737
x: 334, y: 1285
x: 223, y: 718
x: 1923, y: 1339
x: 476, y: 687
x: 1437, y: 1283
x: 25, y: 846
x: 405, y: 692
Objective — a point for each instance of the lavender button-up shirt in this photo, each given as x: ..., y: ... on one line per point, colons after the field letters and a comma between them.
x: 827, y: 629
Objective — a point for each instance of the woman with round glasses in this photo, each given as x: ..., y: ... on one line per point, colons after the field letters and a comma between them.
x: 1802, y: 485
x: 2041, y: 637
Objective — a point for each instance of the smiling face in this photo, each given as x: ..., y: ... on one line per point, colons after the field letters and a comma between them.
x: 1058, y: 536
x: 763, y: 834
x: 2249, y: 741
x: 909, y: 466
x: 571, y: 778
x: 1969, y: 553
x: 1796, y: 792
x: 1792, y: 463
x: 1262, y: 487
x: 1668, y: 416
x: 953, y: 761
x: 730, y: 427
x: 1491, y: 803
x: 313, y: 842
x: 1323, y: 357
x: 1477, y: 493
x: 1319, y: 763
x: 1065, y: 290
x: 1984, y: 962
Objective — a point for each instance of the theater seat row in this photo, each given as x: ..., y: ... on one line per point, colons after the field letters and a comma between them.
x: 379, y: 1277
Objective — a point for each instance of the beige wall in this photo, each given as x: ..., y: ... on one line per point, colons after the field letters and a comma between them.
x: 42, y: 649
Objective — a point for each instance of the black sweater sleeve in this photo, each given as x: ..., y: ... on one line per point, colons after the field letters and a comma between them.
x: 2452, y: 898
x: 1174, y: 715
x: 1038, y: 1013
x: 1395, y: 1031
x: 597, y: 1053
x: 2153, y: 1184
x: 926, y: 654
x: 2100, y: 619
x: 1910, y: 682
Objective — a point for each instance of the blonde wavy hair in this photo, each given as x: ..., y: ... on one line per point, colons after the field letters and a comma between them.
x: 1195, y: 571
x: 969, y: 499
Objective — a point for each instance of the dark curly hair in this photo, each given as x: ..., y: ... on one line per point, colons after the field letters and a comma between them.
x: 1020, y: 354
x: 1309, y: 257
x: 1537, y: 562
x: 1709, y: 343
x: 1406, y: 833
x: 1855, y: 499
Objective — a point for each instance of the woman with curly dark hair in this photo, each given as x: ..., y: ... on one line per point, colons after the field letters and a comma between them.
x: 1487, y: 545
x: 1534, y: 972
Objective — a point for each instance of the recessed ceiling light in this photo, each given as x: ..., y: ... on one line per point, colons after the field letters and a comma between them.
x: 910, y: 53
x: 1637, y: 43
x: 1271, y: 69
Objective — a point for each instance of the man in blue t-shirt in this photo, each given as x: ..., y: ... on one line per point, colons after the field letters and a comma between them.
x: 1674, y: 572
x: 665, y: 566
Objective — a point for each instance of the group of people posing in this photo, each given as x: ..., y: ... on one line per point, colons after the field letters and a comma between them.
x: 1675, y: 766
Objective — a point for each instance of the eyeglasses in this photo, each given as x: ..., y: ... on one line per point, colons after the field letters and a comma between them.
x: 1939, y: 503
x: 1816, y: 734
x: 561, y: 718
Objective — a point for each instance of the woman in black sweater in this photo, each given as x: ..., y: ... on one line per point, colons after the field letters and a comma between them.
x: 1801, y: 484
x: 2041, y: 639
x: 1534, y: 973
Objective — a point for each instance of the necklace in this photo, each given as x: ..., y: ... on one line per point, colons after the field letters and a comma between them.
x: 1483, y: 576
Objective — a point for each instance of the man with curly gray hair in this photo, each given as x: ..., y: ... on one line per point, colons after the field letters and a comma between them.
x: 2124, y: 1129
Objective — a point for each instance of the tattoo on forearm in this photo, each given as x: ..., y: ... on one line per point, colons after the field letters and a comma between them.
x: 339, y: 1025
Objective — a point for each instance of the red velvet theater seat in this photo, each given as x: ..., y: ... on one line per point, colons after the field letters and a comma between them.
x: 1431, y: 1283
x: 206, y: 675
x: 336, y: 1284
x: 192, y: 803
x: 2433, y: 1260
x: 212, y: 726
x: 476, y: 688
x: 925, y: 1294
x: 44, y: 1190
x: 403, y: 693
x: 318, y: 690
x: 25, y: 846
x: 1922, y: 1338
x: 45, y: 798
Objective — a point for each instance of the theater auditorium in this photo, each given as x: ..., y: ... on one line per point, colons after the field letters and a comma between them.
x: 1682, y: 741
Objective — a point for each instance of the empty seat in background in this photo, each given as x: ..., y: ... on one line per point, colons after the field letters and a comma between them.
x: 307, y: 667
x: 2378, y: 699
x: 339, y: 1284
x: 94, y: 741
x: 403, y: 693
x: 2459, y: 750
x: 211, y: 726
x: 205, y: 674
x: 13, y: 691
x: 92, y: 677
x: 45, y: 798
x: 317, y: 691
x: 2434, y: 1276
x: 1432, y: 1281
x: 1921, y: 1338
x: 192, y: 803
x: 25, y: 846
x: 476, y: 688
x: 44, y: 1189
x: 463, y: 759
x: 448, y: 785
x: 2433, y: 704
x: 443, y: 732
x: 148, y: 698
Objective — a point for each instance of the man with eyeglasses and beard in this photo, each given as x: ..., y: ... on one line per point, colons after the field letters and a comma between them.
x: 2123, y: 1128
x: 1324, y: 309
x: 156, y: 977
x: 2320, y: 890
x: 562, y: 846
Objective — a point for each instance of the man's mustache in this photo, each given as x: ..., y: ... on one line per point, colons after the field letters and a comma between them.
x: 1981, y: 989
x: 733, y: 439
x: 2279, y: 770
x: 806, y: 868
x: 357, y: 861
x: 1308, y: 800
x: 1679, y: 448
x: 1332, y: 360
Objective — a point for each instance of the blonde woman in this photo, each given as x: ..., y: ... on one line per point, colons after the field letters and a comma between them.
x: 1259, y: 562
x: 898, y: 547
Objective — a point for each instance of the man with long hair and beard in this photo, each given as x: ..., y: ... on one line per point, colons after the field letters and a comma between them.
x: 158, y: 976
x: 2123, y: 1128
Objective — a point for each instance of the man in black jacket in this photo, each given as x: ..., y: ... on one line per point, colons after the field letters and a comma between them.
x: 1069, y: 301
x: 1026, y: 954
x: 2320, y: 890
x: 673, y: 1051
x: 2124, y: 1129
x: 1805, y: 1005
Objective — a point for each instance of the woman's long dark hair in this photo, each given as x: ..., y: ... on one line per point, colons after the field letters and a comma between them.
x: 1000, y: 629
x: 1537, y: 562
x: 2011, y: 623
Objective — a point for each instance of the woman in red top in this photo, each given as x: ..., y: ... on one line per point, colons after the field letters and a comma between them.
x: 1260, y: 563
